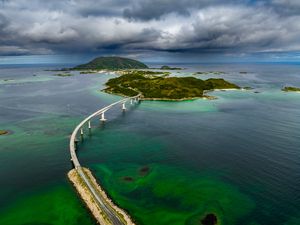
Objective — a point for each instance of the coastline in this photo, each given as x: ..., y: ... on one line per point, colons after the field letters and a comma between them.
x: 88, y: 198
x: 181, y: 99
x: 206, y: 97
x: 291, y: 91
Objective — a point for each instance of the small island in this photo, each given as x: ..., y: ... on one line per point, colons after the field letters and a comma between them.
x: 111, y: 63
x: 3, y: 132
x: 6, y: 80
x: 289, y: 88
x: 162, y: 87
x: 63, y: 74
x: 209, y: 72
x: 170, y: 68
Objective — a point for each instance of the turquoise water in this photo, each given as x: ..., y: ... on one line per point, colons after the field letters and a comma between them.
x: 169, y: 162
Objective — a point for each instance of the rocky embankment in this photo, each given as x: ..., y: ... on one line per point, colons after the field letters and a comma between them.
x: 90, y: 202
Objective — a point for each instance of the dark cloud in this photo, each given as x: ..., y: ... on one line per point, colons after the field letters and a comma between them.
x: 285, y: 7
x: 156, y: 9
x: 97, y: 26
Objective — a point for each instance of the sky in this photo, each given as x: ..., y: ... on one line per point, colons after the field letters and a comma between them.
x: 174, y: 30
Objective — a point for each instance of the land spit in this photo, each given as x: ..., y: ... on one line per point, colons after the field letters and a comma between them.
x: 90, y: 201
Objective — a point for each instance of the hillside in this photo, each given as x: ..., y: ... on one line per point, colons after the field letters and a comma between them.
x: 111, y: 63
x: 162, y: 87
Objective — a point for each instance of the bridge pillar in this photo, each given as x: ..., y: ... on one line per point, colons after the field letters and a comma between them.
x: 131, y: 101
x: 72, y: 163
x: 76, y: 143
x: 123, y: 106
x: 90, y: 127
x: 102, y: 117
x: 135, y: 101
x: 81, y: 134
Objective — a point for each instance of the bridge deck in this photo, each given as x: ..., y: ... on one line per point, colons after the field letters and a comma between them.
x: 105, y: 207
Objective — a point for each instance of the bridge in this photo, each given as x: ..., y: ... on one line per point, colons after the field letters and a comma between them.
x: 110, y: 212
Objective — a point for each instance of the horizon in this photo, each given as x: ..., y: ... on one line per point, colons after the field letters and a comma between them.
x: 79, y: 59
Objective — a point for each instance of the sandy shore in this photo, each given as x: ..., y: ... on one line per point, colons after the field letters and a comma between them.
x: 88, y: 198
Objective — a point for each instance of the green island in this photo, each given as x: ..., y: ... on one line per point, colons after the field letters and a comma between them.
x: 163, y: 87
x: 3, y: 132
x: 63, y: 74
x: 288, y: 88
x: 111, y: 63
x: 208, y: 72
x: 89, y: 72
x: 170, y: 68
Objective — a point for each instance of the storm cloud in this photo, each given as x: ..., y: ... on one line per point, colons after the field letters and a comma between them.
x: 130, y: 26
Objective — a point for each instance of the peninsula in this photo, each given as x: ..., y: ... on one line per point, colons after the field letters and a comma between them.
x: 111, y: 63
x: 153, y: 87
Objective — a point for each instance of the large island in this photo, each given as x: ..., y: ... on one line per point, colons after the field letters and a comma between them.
x: 162, y: 87
x: 111, y: 63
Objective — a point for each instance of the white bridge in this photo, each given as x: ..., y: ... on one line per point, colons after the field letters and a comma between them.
x: 111, y: 214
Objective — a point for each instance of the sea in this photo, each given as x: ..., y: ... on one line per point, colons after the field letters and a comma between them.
x: 236, y: 157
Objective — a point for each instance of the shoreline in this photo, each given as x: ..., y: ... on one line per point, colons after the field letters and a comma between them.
x: 89, y: 201
x: 290, y: 91
x: 205, y: 97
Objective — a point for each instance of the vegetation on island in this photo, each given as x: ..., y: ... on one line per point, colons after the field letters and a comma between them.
x: 147, y: 73
x: 208, y: 72
x: 63, y: 74
x: 89, y: 72
x: 3, y: 132
x: 289, y: 88
x: 163, y: 87
x: 111, y: 63
x: 170, y: 68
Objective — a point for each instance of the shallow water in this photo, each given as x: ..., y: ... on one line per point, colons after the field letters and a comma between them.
x: 168, y: 162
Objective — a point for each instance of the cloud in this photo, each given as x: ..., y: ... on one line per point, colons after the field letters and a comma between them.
x: 135, y: 26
